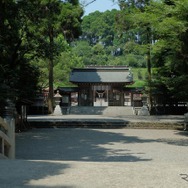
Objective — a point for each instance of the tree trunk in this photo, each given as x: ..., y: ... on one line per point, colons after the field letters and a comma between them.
x: 51, y: 89
x: 149, y: 79
x: 149, y: 69
x: 51, y: 74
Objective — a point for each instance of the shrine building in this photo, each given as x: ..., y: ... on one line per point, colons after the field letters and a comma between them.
x: 102, y: 85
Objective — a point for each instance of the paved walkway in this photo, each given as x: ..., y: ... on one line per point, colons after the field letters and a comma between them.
x: 97, y: 158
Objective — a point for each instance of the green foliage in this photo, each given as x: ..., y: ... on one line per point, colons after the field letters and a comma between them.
x: 83, y: 50
x: 139, y: 77
x: 163, y: 29
x: 99, y: 27
x: 39, y: 36
x: 34, y: 34
x: 66, y: 61
x: 18, y: 79
x: 171, y: 51
x: 101, y: 44
x: 51, y: 24
x: 137, y: 84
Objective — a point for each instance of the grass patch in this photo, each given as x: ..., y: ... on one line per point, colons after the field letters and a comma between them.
x: 138, y: 83
x: 139, y: 77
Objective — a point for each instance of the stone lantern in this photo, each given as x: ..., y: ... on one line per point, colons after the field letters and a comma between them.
x: 57, y: 99
x: 144, y: 110
x: 144, y: 100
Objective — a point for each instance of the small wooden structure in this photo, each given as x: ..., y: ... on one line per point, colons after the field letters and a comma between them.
x: 7, y: 138
x: 7, y: 131
x: 102, y: 85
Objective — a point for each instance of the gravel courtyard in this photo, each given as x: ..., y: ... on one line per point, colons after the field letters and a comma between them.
x: 90, y: 158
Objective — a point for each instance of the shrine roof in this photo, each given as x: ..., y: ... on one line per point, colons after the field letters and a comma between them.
x: 102, y: 74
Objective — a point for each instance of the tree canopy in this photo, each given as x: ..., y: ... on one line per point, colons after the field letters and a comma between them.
x: 38, y: 37
x: 14, y: 44
x: 32, y: 31
x: 144, y: 33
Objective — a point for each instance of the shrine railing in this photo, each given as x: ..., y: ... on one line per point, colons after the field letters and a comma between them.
x: 7, y: 138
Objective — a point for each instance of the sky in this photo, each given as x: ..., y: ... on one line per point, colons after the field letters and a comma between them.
x: 100, y: 5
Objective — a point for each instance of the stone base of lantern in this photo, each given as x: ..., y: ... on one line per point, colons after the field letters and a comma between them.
x: 57, y: 111
x: 144, y: 111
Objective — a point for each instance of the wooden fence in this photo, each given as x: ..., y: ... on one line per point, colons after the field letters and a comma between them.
x: 7, y: 138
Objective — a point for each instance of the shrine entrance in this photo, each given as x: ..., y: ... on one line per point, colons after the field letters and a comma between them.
x: 100, y: 93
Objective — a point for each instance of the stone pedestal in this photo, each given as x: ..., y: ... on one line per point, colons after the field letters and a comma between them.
x: 143, y: 111
x: 57, y: 111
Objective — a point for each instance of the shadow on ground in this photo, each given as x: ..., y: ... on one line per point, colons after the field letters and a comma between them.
x: 47, y: 153
x: 25, y: 173
x: 77, y: 145
x: 183, y: 133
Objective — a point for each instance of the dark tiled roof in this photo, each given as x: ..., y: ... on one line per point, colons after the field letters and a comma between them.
x: 67, y: 89
x: 101, y: 75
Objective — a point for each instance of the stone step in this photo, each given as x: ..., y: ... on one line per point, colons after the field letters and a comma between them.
x: 110, y: 124
x: 107, y: 111
x: 79, y: 124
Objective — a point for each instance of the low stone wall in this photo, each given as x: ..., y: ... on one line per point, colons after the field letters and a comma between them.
x: 155, y: 125
x: 106, y: 124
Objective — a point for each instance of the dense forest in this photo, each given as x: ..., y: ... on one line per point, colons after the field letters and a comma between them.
x: 40, y: 41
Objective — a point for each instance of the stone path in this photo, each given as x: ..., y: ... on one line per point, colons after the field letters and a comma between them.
x: 98, y: 158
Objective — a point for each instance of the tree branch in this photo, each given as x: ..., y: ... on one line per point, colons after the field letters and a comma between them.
x: 89, y: 3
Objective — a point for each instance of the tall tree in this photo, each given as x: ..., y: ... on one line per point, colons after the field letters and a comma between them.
x: 170, y: 50
x: 50, y: 20
x: 137, y: 23
x: 30, y: 29
x: 162, y: 28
